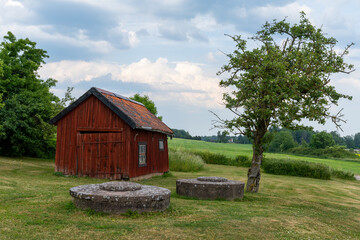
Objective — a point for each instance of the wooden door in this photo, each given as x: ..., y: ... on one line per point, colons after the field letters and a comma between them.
x: 100, y: 154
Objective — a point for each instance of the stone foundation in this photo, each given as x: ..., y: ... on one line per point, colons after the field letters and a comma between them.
x: 210, y: 188
x: 119, y: 197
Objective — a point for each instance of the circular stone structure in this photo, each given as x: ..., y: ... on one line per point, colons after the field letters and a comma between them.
x: 210, y: 188
x: 119, y: 197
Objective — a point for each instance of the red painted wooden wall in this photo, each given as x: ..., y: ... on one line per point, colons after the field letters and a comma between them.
x: 93, y: 141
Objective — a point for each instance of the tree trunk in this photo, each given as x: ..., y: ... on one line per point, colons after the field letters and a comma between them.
x: 254, y: 171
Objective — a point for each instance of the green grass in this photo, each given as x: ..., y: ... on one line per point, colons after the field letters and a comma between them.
x: 183, y: 161
x: 35, y: 204
x: 232, y: 150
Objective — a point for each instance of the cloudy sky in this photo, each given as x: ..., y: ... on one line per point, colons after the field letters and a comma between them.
x: 169, y: 49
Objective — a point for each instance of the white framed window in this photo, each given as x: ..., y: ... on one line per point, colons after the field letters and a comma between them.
x: 142, y: 154
x: 161, y: 145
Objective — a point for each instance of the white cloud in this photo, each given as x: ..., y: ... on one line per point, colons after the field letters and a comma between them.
x: 204, y: 22
x: 12, y: 11
x: 44, y: 32
x: 350, y: 82
x: 12, y: 3
x: 211, y: 57
x: 123, y: 36
x: 291, y: 10
x: 182, y: 81
x: 120, y: 7
x: 133, y: 40
x: 241, y: 12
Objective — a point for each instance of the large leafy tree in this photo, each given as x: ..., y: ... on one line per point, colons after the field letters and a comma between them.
x: 357, y: 140
x: 281, y: 142
x: 322, y: 140
x: 349, y: 141
x: 337, y: 138
x: 282, y: 81
x: 28, y: 103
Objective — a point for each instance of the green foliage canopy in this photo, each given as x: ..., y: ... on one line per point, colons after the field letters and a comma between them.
x: 337, y: 138
x: 149, y: 104
x: 357, y: 140
x: 28, y: 103
x: 322, y: 140
x: 222, y: 136
x: 349, y: 141
x: 281, y: 142
x: 281, y: 82
x: 181, y: 133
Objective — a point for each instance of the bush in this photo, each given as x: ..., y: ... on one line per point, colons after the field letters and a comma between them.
x: 342, y: 174
x: 296, y: 168
x: 214, y: 158
x: 184, y: 161
x: 243, y: 161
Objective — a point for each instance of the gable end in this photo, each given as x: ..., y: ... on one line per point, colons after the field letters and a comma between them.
x: 98, y: 95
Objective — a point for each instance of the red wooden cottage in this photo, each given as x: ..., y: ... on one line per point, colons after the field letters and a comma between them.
x: 105, y: 135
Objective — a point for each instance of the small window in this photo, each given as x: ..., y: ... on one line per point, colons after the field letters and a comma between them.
x: 161, y: 144
x: 142, y: 154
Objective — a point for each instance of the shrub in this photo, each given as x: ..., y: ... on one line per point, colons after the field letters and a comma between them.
x: 184, y: 161
x: 242, y: 161
x: 214, y: 158
x: 296, y: 168
x: 342, y: 174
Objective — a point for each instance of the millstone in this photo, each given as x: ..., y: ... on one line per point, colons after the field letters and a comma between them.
x: 210, y: 188
x: 120, y: 186
x: 119, y: 197
x: 212, y: 179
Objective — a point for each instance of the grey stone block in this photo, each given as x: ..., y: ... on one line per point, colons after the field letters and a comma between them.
x: 210, y: 188
x: 120, y: 197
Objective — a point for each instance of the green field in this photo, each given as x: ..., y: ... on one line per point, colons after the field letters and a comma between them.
x: 232, y: 150
x: 35, y: 204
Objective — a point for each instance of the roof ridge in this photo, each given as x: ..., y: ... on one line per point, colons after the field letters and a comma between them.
x: 135, y: 116
x: 118, y: 96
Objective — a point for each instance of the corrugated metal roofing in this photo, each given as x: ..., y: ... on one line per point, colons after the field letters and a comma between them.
x: 133, y: 113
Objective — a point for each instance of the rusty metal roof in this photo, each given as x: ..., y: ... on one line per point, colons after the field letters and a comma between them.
x: 133, y: 113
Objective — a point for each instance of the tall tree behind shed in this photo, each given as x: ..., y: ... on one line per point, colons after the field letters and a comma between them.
x: 149, y: 104
x: 28, y: 102
x: 280, y: 83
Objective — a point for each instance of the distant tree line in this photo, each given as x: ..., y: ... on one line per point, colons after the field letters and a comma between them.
x: 283, y: 139
x: 221, y: 137
x: 310, y: 143
x: 181, y: 133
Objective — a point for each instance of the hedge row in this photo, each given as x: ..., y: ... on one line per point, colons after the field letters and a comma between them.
x: 278, y: 166
x: 296, y: 168
x: 342, y: 174
x: 221, y: 159
x: 214, y: 158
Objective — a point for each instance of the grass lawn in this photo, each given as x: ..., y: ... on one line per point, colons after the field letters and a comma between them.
x: 35, y: 204
x: 232, y: 150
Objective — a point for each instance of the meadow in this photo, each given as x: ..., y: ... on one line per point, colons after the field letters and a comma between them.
x: 233, y: 150
x: 35, y: 204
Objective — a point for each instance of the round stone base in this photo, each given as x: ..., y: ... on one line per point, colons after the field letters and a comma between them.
x: 118, y: 200
x: 210, y: 188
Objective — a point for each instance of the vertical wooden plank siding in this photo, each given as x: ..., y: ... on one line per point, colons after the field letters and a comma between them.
x: 93, y: 141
